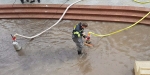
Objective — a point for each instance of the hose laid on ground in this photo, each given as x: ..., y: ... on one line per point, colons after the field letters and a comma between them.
x: 148, y: 1
x: 126, y: 27
x: 49, y: 27
x: 121, y: 29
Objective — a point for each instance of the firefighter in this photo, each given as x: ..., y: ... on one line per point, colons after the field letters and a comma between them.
x: 77, y: 34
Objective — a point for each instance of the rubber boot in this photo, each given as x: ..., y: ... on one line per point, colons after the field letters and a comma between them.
x: 22, y: 1
x: 80, y: 53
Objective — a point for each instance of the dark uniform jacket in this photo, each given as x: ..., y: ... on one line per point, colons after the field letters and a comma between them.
x: 78, y: 30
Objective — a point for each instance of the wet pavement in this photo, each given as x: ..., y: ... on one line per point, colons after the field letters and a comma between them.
x: 54, y: 52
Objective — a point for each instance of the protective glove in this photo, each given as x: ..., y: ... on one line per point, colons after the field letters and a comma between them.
x: 84, y: 36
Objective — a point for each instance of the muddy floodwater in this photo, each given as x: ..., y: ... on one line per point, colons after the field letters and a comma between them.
x: 54, y: 52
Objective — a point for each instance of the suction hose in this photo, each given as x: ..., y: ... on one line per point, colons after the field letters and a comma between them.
x: 49, y: 27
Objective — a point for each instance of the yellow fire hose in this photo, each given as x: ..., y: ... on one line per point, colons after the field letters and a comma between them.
x: 120, y: 29
x: 89, y: 32
x: 148, y: 1
x: 126, y: 27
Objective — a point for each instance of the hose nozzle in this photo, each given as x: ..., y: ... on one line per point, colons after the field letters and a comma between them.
x: 13, y: 37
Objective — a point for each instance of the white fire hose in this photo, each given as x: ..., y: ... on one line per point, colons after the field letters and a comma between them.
x: 49, y: 27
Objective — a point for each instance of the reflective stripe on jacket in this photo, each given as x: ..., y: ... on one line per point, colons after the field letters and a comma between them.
x: 77, y: 30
